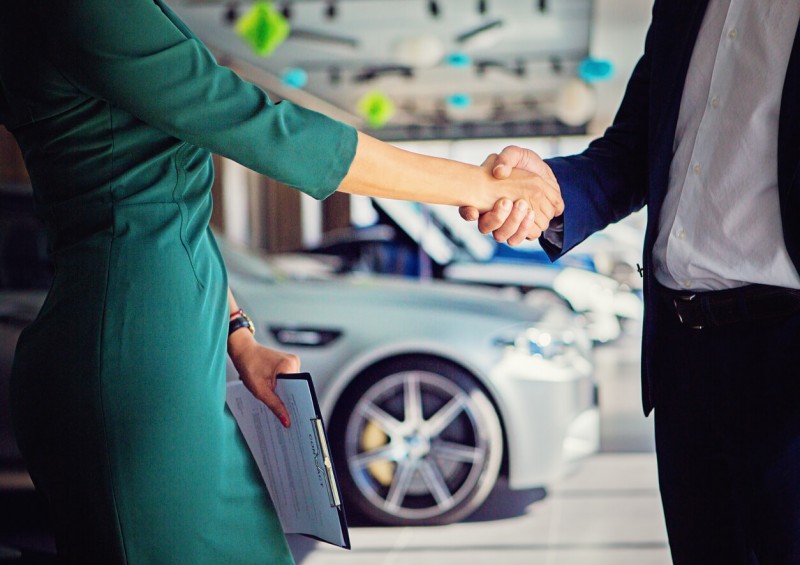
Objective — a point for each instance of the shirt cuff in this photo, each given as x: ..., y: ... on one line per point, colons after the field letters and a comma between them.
x: 554, y: 234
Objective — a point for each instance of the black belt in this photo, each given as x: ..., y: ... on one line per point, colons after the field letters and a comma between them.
x: 709, y: 309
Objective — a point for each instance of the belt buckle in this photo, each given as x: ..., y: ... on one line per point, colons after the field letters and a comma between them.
x: 679, y: 299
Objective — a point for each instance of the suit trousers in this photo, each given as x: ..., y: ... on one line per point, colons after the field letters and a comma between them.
x: 727, y: 423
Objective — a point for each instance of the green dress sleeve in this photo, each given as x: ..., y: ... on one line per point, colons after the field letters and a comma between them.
x: 138, y: 56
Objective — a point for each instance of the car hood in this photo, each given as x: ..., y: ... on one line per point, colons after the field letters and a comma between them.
x: 363, y: 296
x: 305, y: 294
x: 435, y: 295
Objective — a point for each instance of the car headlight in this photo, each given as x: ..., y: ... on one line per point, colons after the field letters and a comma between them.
x: 550, y: 344
x: 542, y: 343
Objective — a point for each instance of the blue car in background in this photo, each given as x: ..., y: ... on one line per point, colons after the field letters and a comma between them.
x: 417, y: 240
x: 535, y: 254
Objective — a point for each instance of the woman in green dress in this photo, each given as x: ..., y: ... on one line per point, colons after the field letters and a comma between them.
x: 118, y: 386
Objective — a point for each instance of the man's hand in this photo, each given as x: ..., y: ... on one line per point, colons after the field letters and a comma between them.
x: 515, y: 223
x: 259, y: 368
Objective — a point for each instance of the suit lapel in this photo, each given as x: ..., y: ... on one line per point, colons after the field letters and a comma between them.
x: 684, y: 36
x: 686, y: 39
x: 789, y: 154
x: 788, y: 130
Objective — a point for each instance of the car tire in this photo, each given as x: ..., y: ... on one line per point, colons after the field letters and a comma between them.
x: 416, y: 441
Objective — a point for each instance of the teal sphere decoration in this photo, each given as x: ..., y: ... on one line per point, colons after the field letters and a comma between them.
x: 459, y: 100
x: 595, y: 70
x: 294, y: 77
x: 458, y: 60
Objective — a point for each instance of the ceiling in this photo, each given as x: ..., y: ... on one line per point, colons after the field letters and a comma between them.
x: 520, y: 56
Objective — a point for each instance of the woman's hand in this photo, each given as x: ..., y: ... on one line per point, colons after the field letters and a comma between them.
x: 259, y: 368
x: 521, y: 221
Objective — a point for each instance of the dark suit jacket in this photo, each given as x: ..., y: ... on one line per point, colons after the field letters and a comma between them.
x: 629, y: 166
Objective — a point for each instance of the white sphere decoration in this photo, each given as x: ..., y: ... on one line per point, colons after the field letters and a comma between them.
x: 576, y: 103
x: 419, y: 51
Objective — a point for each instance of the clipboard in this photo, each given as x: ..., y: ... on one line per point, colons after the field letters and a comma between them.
x: 296, y: 464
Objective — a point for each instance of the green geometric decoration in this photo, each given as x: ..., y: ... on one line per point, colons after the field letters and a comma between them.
x: 263, y: 28
x: 377, y: 108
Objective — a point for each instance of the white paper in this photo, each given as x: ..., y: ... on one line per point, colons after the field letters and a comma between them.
x: 291, y: 460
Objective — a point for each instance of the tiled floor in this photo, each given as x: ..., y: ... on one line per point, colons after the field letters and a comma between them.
x: 606, y: 513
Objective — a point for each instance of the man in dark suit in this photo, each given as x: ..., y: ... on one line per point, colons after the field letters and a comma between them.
x: 708, y: 137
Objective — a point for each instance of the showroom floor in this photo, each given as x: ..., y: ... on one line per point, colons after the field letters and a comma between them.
x: 607, y: 512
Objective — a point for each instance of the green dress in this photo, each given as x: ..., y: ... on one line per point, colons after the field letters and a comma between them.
x: 118, y: 386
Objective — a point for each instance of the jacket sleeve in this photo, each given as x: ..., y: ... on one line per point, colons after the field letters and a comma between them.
x: 608, y: 180
x: 137, y: 55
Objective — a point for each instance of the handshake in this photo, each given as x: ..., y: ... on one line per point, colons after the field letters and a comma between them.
x: 526, y: 218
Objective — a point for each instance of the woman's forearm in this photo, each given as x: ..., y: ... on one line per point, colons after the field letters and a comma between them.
x: 382, y: 170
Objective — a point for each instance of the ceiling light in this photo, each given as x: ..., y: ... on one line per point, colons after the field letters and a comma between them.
x: 576, y: 103
x: 484, y: 36
x: 371, y: 73
x: 323, y: 37
x: 419, y: 51
x: 517, y: 69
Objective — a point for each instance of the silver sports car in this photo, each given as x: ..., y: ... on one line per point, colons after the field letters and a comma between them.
x: 430, y: 390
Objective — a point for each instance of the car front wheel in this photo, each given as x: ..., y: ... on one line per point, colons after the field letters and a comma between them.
x: 416, y: 441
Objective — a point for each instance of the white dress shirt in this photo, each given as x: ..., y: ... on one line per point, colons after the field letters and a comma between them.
x: 720, y: 225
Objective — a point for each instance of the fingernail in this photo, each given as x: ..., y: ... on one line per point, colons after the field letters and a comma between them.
x: 497, y: 169
x: 505, y: 204
x: 284, y: 421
